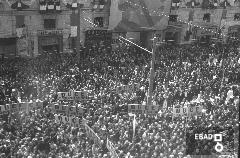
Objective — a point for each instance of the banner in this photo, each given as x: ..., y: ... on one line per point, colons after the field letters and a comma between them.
x: 128, y: 88
x: 73, y: 31
x: 34, y: 105
x: 92, y: 135
x: 4, y: 109
x: 112, y: 150
x: 143, y: 109
x: 187, y: 111
x: 98, y: 36
x: 72, y: 121
x: 18, y: 107
x: 68, y: 110
x: 72, y: 95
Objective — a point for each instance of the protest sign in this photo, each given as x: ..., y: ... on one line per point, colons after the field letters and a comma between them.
x: 18, y: 107
x: 128, y: 88
x: 187, y: 111
x: 71, y: 120
x: 34, y: 106
x: 80, y: 95
x: 72, y: 95
x: 112, y: 150
x: 4, y: 109
x: 67, y: 110
x: 14, y: 107
x: 92, y: 135
x: 144, y: 109
x: 23, y: 106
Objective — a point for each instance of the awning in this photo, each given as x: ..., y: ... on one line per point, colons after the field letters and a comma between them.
x: 127, y: 26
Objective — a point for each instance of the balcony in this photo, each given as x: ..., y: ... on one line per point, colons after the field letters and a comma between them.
x: 49, y: 6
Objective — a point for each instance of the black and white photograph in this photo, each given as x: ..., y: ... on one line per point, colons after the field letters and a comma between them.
x: 119, y: 78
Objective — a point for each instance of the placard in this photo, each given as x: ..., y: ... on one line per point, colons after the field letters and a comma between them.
x: 72, y: 95
x: 73, y: 31
x: 23, y: 106
x: 143, y: 109
x: 67, y: 110
x: 14, y: 107
x: 17, y: 107
x: 70, y: 120
x: 187, y: 111
x: 4, y: 109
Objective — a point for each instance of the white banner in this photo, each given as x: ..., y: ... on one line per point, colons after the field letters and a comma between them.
x: 187, y: 111
x: 4, y: 109
x: 128, y: 88
x: 73, y: 31
x: 144, y: 109
x: 18, y: 107
x: 72, y: 95
x: 72, y: 121
x: 68, y: 110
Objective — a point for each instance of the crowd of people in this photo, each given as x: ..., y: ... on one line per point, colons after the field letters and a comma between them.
x: 182, y: 74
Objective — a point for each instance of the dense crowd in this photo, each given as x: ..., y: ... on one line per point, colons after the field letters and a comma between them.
x: 182, y: 74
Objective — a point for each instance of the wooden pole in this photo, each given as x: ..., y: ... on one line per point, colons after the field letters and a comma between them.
x: 151, y: 77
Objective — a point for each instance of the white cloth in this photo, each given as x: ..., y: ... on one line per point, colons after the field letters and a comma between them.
x: 19, y: 32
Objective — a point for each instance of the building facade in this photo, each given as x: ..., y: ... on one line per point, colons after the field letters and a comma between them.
x: 179, y: 21
x: 30, y: 27
x: 203, y: 20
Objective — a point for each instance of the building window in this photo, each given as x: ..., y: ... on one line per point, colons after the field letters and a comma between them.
x: 98, y: 21
x: 173, y: 18
x: 49, y: 23
x: 206, y: 17
x: 237, y: 17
